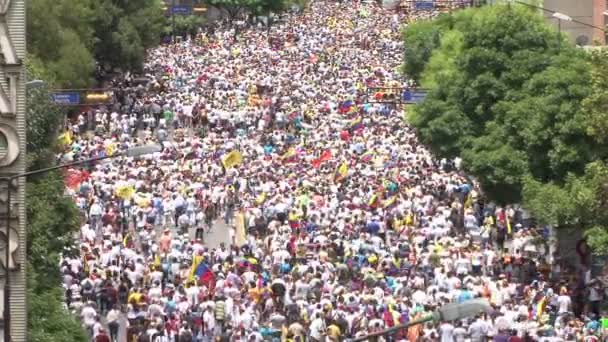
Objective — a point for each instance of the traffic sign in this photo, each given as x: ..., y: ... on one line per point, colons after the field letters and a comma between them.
x: 414, y: 96
x: 181, y: 10
x: 424, y: 4
x: 68, y: 99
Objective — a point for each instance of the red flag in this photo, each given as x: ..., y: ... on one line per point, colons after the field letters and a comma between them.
x: 316, y: 163
x: 326, y: 155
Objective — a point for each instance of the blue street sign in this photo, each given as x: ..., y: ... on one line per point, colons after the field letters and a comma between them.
x: 414, y: 96
x: 181, y: 9
x: 424, y: 4
x: 70, y: 99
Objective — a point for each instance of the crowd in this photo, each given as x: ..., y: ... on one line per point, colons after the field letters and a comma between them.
x: 338, y: 222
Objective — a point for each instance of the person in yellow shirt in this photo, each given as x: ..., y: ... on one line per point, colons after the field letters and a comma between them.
x: 333, y: 333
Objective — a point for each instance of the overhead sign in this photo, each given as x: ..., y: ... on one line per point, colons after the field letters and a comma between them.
x: 181, y: 9
x: 67, y: 99
x: 424, y: 4
x: 414, y: 96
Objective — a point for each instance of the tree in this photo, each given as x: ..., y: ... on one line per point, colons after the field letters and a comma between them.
x: 185, y: 25
x: 53, y: 219
x: 503, y: 97
x: 59, y: 37
x: 581, y: 202
x: 124, y: 30
x: 234, y: 8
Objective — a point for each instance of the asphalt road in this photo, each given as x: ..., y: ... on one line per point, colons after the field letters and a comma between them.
x: 219, y: 233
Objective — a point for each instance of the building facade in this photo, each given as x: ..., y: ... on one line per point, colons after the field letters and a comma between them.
x: 13, y: 319
x: 590, y: 12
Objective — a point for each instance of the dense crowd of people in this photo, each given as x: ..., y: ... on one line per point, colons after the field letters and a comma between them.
x: 338, y: 223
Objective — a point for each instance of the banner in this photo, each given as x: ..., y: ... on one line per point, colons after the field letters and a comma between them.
x: 240, y: 237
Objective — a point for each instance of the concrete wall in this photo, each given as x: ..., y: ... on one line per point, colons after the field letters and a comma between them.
x: 587, y: 11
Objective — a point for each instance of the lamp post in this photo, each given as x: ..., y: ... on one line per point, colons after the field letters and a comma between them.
x: 560, y: 16
x: 133, y: 152
x: 449, y: 312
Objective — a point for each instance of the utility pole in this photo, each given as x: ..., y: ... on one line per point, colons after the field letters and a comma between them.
x: 173, y: 20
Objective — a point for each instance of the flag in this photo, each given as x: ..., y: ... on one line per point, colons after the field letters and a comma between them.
x: 509, y: 230
x: 65, y: 139
x: 232, y: 159
x: 355, y: 124
x: 341, y: 172
x: 390, y: 201
x: 204, y: 273
x: 260, y: 199
x: 127, y: 241
x: 85, y: 264
x: 111, y: 149
x: 157, y: 262
x: 290, y: 153
x: 325, y: 156
x: 125, y: 191
x: 468, y: 203
x: 367, y: 156
x: 196, y: 260
x: 74, y: 177
x: 316, y: 163
x: 373, y: 201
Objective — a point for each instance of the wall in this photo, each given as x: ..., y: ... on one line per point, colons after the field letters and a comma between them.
x: 587, y: 11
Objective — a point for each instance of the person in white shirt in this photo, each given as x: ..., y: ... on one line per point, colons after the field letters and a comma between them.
x: 446, y: 331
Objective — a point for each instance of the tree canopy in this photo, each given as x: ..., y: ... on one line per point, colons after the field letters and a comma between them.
x: 53, y: 219
x: 68, y: 37
x: 525, y: 111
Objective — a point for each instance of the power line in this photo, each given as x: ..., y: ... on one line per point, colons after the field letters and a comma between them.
x: 553, y: 12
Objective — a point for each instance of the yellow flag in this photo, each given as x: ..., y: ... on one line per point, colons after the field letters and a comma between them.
x: 261, y: 199
x: 125, y: 192
x: 508, y: 224
x: 290, y: 153
x: 390, y: 201
x: 111, y: 149
x: 232, y: 159
x: 65, y: 139
x: 343, y: 169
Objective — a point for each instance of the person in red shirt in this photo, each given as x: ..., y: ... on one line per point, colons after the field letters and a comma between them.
x: 102, y: 336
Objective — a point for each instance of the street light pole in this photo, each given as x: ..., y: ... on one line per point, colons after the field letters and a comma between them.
x: 449, y: 312
x: 133, y: 152
x: 173, y: 20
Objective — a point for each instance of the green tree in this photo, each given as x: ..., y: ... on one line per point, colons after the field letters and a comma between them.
x: 503, y: 97
x: 185, y: 25
x: 124, y: 30
x: 234, y: 8
x: 53, y: 221
x: 581, y: 202
x: 60, y: 37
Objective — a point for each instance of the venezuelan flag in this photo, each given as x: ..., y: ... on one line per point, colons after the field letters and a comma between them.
x: 196, y: 260
x: 204, y: 273
x: 355, y: 124
x: 367, y: 156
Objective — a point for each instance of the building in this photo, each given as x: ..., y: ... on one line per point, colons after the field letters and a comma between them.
x: 585, y: 15
x: 13, y: 313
